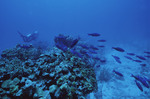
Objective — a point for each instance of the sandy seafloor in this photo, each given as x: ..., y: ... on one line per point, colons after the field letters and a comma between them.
x: 123, y: 87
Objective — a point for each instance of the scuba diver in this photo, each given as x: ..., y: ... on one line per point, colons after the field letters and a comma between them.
x: 29, y: 37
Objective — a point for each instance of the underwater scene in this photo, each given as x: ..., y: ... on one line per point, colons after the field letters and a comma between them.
x: 74, y: 49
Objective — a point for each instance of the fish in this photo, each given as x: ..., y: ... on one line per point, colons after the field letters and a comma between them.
x: 143, y: 65
x: 101, y: 40
x: 94, y: 34
x: 101, y: 46
x: 75, y: 53
x: 84, y: 46
x: 74, y: 42
x: 128, y: 57
x: 117, y: 59
x: 141, y: 79
x: 102, y: 60
x: 147, y: 56
x: 139, y: 85
x: 94, y: 48
x: 83, y: 52
x: 118, y: 73
x: 132, y: 54
x: 96, y: 58
x: 24, y: 46
x: 147, y: 79
x: 136, y: 77
x: 97, y: 66
x: 118, y: 49
x: 146, y: 52
x: 140, y: 57
x: 139, y: 61
x: 92, y: 51
x: 61, y: 46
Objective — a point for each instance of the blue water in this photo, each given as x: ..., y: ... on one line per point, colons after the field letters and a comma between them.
x: 116, y: 20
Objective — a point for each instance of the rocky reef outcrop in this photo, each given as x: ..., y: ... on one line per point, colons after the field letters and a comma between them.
x: 52, y: 74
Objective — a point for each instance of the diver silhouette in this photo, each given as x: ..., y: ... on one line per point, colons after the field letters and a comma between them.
x: 29, y: 37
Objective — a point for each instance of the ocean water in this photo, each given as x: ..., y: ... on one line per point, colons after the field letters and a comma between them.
x: 122, y: 23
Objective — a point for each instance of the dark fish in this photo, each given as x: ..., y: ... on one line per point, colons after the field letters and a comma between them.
x: 61, y: 46
x: 128, y: 57
x: 94, y: 34
x: 136, y: 77
x: 139, y: 61
x: 84, y: 46
x: 97, y: 66
x: 147, y: 56
x: 117, y: 59
x: 118, y: 49
x: 146, y: 52
x: 83, y: 52
x: 89, y: 55
x: 96, y: 58
x: 141, y: 79
x: 147, y: 79
x: 92, y: 51
x: 143, y: 65
x: 103, y: 60
x: 75, y: 53
x: 94, y: 48
x: 74, y: 42
x: 101, y: 46
x: 132, y: 54
x: 102, y: 40
x: 138, y: 85
x: 141, y: 57
x: 24, y: 46
x: 118, y: 73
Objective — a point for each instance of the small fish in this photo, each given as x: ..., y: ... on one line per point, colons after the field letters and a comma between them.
x: 83, y: 52
x: 146, y: 52
x: 147, y: 79
x: 139, y: 61
x: 117, y: 59
x: 75, y: 53
x: 141, y: 79
x: 96, y: 58
x: 94, y: 48
x: 101, y: 46
x: 143, y: 65
x: 102, y: 60
x: 141, y: 57
x: 136, y: 77
x: 138, y: 85
x: 102, y: 40
x: 132, y: 54
x: 61, y: 46
x: 128, y: 57
x: 118, y: 49
x: 92, y: 51
x: 84, y: 46
x: 118, y: 73
x: 24, y: 46
x: 97, y: 66
x: 74, y: 42
x: 94, y: 34
x: 147, y: 56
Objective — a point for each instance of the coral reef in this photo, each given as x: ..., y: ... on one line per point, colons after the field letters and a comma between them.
x: 29, y: 73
